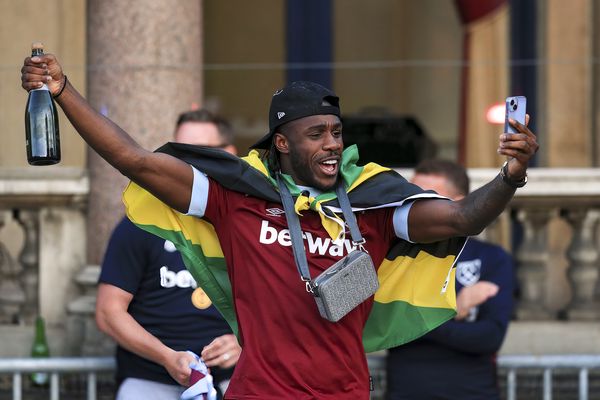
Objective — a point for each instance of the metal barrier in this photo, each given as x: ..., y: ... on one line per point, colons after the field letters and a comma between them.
x: 54, y: 366
x: 376, y: 362
x: 582, y: 363
x: 511, y: 363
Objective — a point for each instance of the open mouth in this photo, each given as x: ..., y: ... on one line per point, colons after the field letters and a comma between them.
x: 329, y: 167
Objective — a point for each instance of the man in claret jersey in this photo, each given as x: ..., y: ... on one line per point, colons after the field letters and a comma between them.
x: 289, y: 351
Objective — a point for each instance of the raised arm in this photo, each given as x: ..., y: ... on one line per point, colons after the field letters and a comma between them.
x: 432, y: 220
x: 166, y: 177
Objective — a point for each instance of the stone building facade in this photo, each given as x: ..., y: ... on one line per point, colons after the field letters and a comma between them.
x: 141, y: 63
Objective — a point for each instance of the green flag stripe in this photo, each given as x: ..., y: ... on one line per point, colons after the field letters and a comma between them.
x: 410, y: 322
x: 209, y: 272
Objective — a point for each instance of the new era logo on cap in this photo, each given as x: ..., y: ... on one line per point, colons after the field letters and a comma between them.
x: 280, y: 114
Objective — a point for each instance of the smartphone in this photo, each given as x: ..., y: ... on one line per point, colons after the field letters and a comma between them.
x: 516, y: 108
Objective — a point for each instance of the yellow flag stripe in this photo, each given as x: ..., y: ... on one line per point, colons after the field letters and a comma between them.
x: 369, y: 170
x: 145, y: 209
x: 417, y: 281
x: 254, y: 160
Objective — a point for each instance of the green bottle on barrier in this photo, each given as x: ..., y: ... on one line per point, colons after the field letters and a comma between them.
x: 40, y: 349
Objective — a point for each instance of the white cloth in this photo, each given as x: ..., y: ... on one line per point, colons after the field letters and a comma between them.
x: 201, y: 382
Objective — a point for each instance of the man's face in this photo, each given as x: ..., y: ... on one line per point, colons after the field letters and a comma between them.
x: 202, y: 134
x: 311, y: 150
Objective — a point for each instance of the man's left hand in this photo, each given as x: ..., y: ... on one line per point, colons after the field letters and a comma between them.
x: 472, y: 296
x: 519, y: 147
x: 222, y: 352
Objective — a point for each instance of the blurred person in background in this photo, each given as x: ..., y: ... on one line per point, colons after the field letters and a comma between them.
x: 150, y: 304
x: 457, y: 360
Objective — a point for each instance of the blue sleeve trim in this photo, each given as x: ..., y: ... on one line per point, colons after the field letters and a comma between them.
x: 401, y: 221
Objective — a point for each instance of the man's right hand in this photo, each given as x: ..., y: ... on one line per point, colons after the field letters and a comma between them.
x: 177, y: 365
x: 113, y: 318
x: 42, y: 69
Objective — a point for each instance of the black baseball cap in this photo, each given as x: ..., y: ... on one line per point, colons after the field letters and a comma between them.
x: 298, y: 100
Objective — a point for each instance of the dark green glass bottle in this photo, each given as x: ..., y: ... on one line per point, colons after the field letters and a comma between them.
x: 42, y: 137
x: 40, y: 349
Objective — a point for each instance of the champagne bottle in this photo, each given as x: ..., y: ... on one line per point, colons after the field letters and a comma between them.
x: 40, y: 349
x: 41, y: 123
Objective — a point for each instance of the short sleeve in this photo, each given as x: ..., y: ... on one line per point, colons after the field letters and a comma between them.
x: 400, y: 221
x: 125, y: 258
x: 199, y: 198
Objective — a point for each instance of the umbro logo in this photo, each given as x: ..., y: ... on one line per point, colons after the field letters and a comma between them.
x: 275, y: 212
x: 280, y: 114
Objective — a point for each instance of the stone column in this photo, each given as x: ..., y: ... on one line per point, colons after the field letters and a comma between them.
x: 583, y: 263
x: 144, y: 68
x: 596, y: 83
x: 30, y: 259
x: 12, y: 295
x: 532, y: 258
x: 84, y: 336
x: 567, y: 83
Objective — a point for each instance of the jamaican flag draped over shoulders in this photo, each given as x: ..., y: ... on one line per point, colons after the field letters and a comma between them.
x: 416, y: 292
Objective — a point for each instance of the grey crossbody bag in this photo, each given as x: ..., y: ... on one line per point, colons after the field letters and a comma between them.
x: 348, y: 282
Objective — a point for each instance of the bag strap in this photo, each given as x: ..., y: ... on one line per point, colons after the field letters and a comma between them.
x: 349, y: 216
x: 296, y: 231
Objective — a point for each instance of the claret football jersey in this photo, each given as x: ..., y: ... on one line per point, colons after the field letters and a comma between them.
x: 289, y: 350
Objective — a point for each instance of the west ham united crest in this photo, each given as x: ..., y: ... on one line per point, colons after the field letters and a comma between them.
x: 468, y: 272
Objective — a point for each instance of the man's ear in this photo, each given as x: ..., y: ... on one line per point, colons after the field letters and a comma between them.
x: 281, y: 143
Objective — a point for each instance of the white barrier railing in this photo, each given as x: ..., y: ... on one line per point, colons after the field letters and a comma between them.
x: 54, y: 366
x: 93, y: 365
x: 548, y: 363
x: 512, y: 364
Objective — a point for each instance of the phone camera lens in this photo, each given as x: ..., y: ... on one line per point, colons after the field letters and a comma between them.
x: 512, y: 102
